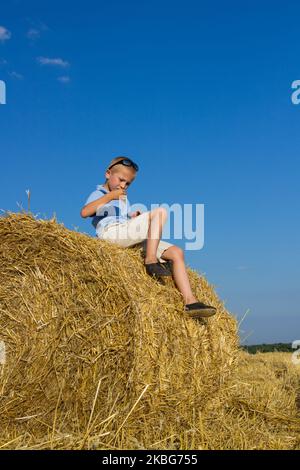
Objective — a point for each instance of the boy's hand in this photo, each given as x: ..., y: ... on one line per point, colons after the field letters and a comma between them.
x: 117, y: 193
x: 134, y: 214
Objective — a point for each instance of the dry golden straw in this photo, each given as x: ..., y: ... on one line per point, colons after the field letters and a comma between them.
x: 100, y: 355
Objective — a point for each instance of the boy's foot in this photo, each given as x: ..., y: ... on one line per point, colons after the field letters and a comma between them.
x: 199, y: 310
x: 158, y: 269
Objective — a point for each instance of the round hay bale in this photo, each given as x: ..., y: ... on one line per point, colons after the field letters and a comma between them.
x: 97, y: 353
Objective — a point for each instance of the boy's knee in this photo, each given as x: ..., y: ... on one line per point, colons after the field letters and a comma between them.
x: 179, y: 252
x: 160, y: 210
x: 176, y: 253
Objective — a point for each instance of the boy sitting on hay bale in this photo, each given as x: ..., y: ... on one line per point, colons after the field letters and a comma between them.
x: 112, y: 221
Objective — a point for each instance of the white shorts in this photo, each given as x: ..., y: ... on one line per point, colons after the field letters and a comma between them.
x: 133, y: 233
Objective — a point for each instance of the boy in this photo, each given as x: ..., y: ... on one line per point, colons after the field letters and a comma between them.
x: 108, y: 207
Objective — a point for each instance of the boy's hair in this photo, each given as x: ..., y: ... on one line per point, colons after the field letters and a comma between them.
x: 115, y: 160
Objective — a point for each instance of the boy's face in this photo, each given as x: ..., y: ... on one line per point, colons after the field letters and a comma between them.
x: 119, y: 177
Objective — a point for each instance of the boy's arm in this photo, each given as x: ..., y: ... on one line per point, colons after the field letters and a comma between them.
x: 91, y: 208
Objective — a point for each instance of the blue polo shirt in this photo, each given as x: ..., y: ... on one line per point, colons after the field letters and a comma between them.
x: 115, y: 211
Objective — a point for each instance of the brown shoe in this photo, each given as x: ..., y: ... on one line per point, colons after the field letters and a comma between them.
x: 199, y: 310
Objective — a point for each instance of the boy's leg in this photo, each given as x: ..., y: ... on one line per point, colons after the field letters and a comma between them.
x: 129, y: 233
x: 193, y: 307
x: 176, y: 255
x: 157, y: 219
x: 146, y: 227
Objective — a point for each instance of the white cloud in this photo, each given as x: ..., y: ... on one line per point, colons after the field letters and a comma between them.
x: 33, y: 33
x: 16, y: 75
x: 4, y: 34
x: 242, y: 268
x: 56, y: 62
x: 64, y: 79
x: 38, y: 25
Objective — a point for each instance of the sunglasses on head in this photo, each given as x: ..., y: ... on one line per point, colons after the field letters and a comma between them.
x: 125, y: 162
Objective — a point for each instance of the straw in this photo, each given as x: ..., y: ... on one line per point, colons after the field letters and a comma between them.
x: 77, y: 312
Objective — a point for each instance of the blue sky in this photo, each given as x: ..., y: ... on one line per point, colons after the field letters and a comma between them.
x: 199, y: 94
